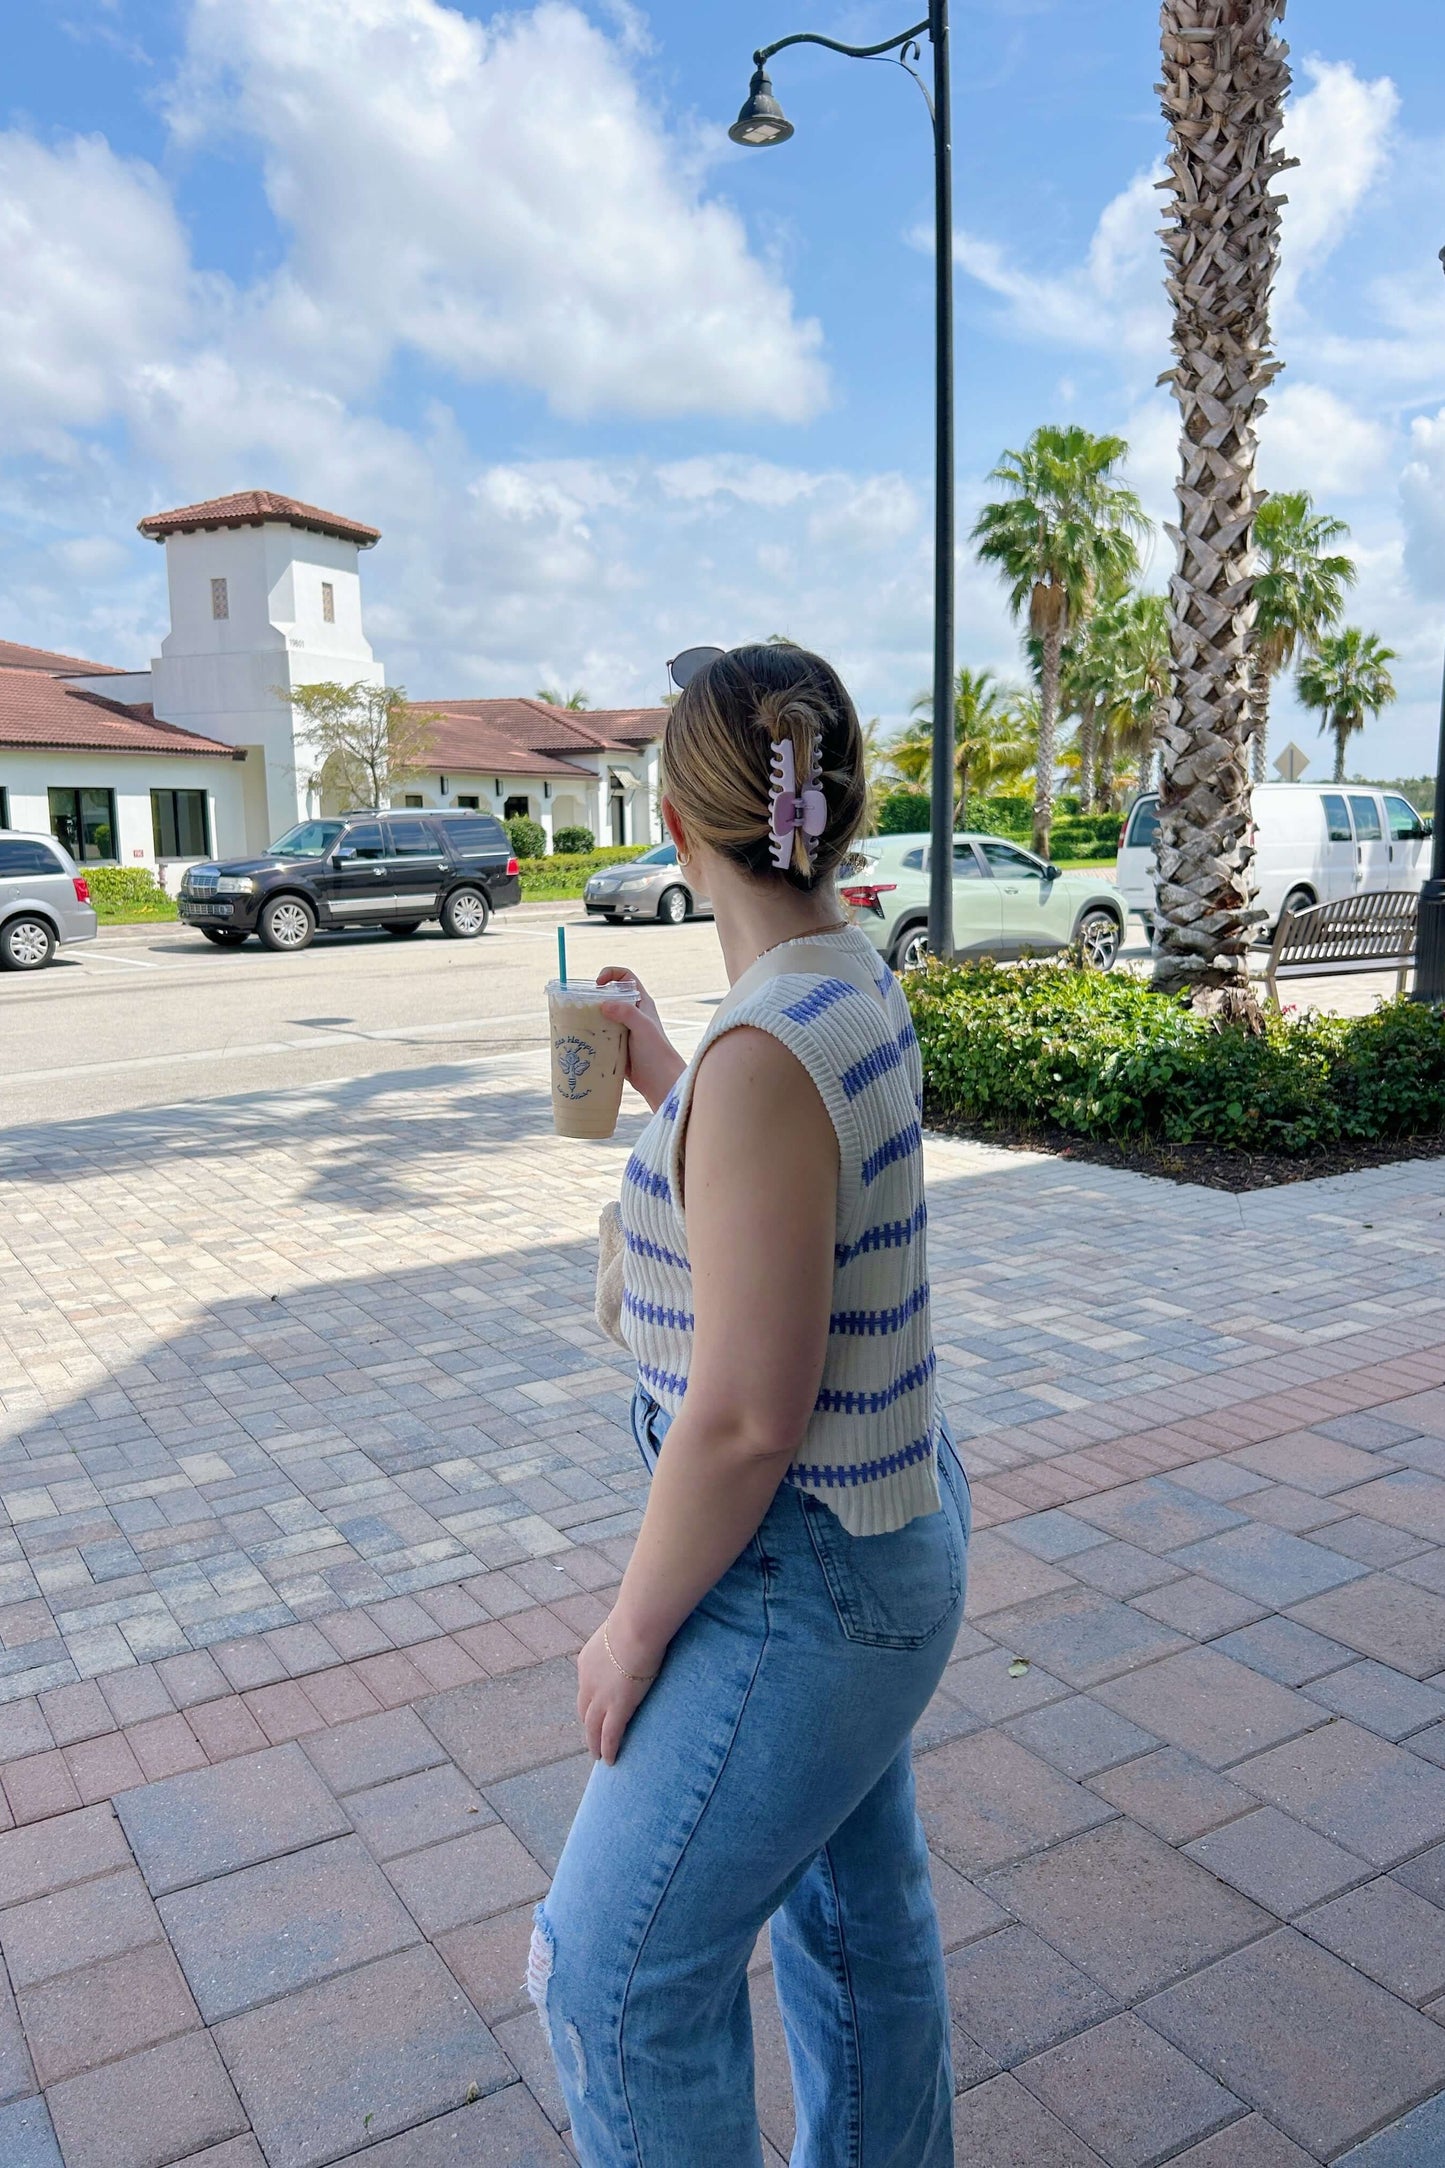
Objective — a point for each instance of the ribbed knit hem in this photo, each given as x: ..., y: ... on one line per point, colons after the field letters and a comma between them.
x: 878, y: 1507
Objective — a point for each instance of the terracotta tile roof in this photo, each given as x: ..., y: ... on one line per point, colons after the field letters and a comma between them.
x: 528, y: 737
x: 36, y: 709
x: 13, y: 656
x: 253, y: 508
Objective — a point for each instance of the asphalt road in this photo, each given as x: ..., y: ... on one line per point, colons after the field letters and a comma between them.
x: 147, y: 1016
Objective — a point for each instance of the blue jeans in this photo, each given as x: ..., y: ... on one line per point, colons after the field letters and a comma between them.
x: 766, y: 1776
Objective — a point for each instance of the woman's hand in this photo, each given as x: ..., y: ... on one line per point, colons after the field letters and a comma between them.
x: 607, y: 1697
x: 653, y: 1062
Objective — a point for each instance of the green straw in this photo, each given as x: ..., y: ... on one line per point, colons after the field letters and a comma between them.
x: 562, y: 954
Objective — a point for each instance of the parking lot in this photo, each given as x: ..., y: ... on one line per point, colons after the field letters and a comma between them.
x: 147, y: 1015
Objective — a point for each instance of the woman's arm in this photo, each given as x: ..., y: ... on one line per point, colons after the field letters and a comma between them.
x: 762, y: 1189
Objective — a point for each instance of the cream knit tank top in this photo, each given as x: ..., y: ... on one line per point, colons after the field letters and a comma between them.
x: 868, y: 1450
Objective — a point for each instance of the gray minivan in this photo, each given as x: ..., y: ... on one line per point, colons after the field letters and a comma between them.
x: 44, y: 901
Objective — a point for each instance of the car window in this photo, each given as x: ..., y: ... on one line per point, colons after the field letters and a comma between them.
x: 365, y: 840
x: 1337, y: 818
x: 310, y: 839
x: 965, y: 864
x: 479, y: 832
x: 23, y: 856
x: 1403, y: 818
x: 913, y: 859
x: 1143, y: 825
x: 661, y: 854
x: 1007, y: 864
x: 414, y: 839
x: 1367, y: 820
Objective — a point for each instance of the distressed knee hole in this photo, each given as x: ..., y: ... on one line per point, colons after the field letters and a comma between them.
x: 564, y: 2040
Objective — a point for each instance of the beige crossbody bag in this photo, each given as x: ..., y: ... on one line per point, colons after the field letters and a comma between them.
x: 794, y: 957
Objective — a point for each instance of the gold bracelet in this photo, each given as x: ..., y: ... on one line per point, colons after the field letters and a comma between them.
x: 637, y: 1677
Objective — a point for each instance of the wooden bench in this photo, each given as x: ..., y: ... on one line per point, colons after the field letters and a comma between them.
x: 1372, y: 931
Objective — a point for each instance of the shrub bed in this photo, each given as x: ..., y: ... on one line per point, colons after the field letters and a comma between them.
x: 1075, y: 835
x: 528, y: 838
x: 1105, y: 1057
x: 563, y: 877
x: 125, y: 893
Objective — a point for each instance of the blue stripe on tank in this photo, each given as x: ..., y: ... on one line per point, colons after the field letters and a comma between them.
x: 841, y: 1475
x: 655, y: 1185
x: 888, y: 1235
x: 871, y: 1322
x: 902, y: 1146
x: 665, y: 1381
x: 656, y: 1313
x: 872, y: 1065
x: 822, y: 997
x: 669, y: 1107
x: 640, y: 1246
x: 831, y: 1401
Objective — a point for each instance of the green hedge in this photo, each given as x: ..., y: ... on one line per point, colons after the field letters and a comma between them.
x: 126, y: 892
x: 563, y: 877
x: 1104, y: 1056
x: 528, y: 837
x: 1075, y: 835
x: 573, y: 842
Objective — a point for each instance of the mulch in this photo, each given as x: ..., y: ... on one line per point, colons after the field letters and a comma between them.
x: 1204, y: 1165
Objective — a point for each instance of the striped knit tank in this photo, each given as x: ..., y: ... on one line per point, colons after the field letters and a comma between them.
x: 868, y: 1450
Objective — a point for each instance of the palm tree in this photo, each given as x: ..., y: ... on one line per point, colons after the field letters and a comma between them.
x: 1065, y: 530
x: 577, y: 701
x: 1299, y: 593
x: 1224, y: 80
x: 989, y: 747
x: 1347, y: 679
x: 1137, y: 646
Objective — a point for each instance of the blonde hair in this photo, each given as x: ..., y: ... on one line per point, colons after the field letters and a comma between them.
x: 717, y: 757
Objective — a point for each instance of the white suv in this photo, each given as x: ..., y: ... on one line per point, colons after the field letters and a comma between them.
x: 44, y: 901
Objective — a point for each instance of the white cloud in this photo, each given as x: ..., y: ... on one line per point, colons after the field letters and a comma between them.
x: 498, y: 197
x: 1422, y: 499
x: 1309, y: 438
x: 1340, y: 131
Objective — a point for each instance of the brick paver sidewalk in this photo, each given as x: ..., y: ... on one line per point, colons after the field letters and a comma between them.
x: 315, y: 1472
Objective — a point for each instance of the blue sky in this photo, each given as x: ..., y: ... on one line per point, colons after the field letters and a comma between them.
x: 497, y: 283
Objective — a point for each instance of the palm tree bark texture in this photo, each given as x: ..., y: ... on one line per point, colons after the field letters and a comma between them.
x: 1225, y: 75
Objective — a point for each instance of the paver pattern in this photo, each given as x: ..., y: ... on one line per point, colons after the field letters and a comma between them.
x: 315, y: 1473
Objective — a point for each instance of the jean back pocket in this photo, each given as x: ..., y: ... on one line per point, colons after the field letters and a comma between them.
x: 892, y: 1591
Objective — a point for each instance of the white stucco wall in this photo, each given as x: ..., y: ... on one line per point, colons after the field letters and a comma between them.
x: 225, y: 677
x: 27, y: 777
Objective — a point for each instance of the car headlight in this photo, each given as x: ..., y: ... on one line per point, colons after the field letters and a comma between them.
x: 235, y: 884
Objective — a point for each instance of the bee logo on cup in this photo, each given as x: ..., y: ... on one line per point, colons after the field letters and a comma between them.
x: 574, y: 1059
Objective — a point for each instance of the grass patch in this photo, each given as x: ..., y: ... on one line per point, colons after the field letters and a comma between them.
x: 1104, y: 1057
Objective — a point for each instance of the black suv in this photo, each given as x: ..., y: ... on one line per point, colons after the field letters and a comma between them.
x: 392, y: 870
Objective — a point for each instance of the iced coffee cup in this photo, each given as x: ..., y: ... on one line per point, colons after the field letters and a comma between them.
x: 589, y: 1056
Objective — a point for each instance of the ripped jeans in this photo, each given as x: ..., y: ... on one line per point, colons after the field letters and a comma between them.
x: 766, y: 1776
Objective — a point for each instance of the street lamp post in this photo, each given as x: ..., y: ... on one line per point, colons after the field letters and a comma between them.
x: 761, y: 123
x: 1430, y: 924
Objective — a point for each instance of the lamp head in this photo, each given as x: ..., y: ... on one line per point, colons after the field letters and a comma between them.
x: 761, y: 121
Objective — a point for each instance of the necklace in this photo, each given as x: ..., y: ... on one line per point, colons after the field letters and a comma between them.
x: 814, y: 933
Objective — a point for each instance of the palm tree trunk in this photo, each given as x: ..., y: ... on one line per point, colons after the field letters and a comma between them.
x: 1053, y: 651
x: 1088, y: 742
x: 1106, y: 765
x: 960, y: 803
x: 1225, y: 77
x: 1342, y: 732
x: 1258, y: 714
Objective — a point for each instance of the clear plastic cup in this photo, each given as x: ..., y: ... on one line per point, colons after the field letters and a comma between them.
x: 589, y: 1056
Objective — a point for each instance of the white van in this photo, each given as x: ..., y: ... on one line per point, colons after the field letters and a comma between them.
x: 1312, y: 843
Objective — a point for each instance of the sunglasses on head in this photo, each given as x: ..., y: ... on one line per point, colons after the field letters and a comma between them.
x: 685, y: 667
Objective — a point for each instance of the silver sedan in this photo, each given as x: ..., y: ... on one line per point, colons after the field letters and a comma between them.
x: 652, y: 886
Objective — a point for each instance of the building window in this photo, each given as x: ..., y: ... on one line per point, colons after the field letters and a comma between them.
x: 179, y: 824
x: 4, y: 807
x: 84, y: 821
x: 472, y: 805
x: 328, y: 602
x: 220, y: 601
x: 413, y: 798
x: 517, y: 809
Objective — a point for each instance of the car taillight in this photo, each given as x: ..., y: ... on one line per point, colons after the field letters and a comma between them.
x: 512, y: 866
x: 82, y: 887
x: 863, y: 895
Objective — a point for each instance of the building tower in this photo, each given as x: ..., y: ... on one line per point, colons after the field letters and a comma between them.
x: 265, y: 594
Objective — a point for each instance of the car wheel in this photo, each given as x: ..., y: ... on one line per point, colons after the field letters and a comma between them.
x: 27, y: 944
x: 223, y: 936
x: 911, y: 948
x: 1299, y: 899
x: 673, y: 906
x: 465, y: 914
x: 1098, y: 937
x: 402, y: 926
x: 289, y: 923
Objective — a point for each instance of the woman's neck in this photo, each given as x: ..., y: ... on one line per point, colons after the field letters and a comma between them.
x: 754, y: 916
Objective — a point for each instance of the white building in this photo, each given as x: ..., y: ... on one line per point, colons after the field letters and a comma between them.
x: 203, y: 754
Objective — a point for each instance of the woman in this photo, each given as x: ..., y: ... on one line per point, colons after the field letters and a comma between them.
x: 798, y: 1579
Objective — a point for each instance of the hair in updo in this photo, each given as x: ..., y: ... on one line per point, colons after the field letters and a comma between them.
x: 717, y: 757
